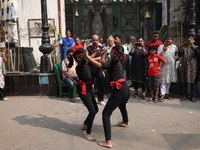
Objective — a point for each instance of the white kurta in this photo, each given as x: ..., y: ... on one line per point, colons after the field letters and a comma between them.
x: 168, y: 74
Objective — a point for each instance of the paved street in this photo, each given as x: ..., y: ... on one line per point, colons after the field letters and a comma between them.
x: 52, y: 123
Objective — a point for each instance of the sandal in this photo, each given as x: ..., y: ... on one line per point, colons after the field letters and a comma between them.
x: 183, y: 99
x: 168, y: 97
x: 161, y: 99
x: 135, y: 95
x: 156, y: 100
x: 143, y: 97
x: 149, y: 99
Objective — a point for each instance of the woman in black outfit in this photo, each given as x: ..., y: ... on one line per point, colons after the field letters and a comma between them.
x: 120, y: 92
x: 85, y: 91
x: 138, y: 66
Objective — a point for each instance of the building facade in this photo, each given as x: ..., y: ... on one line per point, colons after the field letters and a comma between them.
x: 86, y: 17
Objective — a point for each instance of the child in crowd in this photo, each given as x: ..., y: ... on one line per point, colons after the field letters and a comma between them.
x: 154, y: 61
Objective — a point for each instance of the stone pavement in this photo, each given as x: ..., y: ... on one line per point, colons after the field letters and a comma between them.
x: 52, y: 123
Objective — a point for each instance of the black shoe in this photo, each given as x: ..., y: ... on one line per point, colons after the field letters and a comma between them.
x: 183, y: 99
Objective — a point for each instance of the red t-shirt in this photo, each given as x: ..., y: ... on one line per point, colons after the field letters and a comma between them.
x: 151, y: 43
x: 75, y: 47
x: 154, y: 61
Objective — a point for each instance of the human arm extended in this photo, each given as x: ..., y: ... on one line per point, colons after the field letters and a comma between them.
x: 93, y: 61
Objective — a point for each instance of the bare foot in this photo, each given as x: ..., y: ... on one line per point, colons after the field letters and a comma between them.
x: 84, y: 127
x: 89, y: 137
x: 107, y: 144
x: 121, y: 123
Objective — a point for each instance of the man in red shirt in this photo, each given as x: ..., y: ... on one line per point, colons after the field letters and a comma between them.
x: 77, y: 44
x: 154, y: 41
x: 154, y: 61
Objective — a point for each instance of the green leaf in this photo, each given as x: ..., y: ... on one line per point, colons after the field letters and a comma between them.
x: 163, y: 32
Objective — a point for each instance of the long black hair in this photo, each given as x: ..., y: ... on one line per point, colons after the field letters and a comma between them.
x: 71, y: 62
x: 77, y: 52
x: 119, y: 54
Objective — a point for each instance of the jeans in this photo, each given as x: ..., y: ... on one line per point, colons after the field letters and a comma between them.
x: 70, y: 84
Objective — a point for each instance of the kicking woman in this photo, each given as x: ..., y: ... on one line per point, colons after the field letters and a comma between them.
x: 120, y: 93
x: 85, y: 91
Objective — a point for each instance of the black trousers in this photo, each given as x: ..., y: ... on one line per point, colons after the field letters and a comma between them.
x: 2, y: 93
x: 119, y: 98
x: 107, y: 84
x: 127, y: 68
x: 90, y: 103
x: 136, y: 86
x: 100, y: 80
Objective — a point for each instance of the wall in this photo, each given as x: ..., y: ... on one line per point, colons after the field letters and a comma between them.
x: 176, y: 21
x: 31, y: 9
x: 29, y: 85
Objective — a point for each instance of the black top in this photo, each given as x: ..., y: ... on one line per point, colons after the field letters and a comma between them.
x: 83, y: 70
x: 197, y: 42
x: 115, y: 70
x: 94, y: 70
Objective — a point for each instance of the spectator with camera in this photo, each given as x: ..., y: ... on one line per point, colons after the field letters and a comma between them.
x: 138, y: 66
